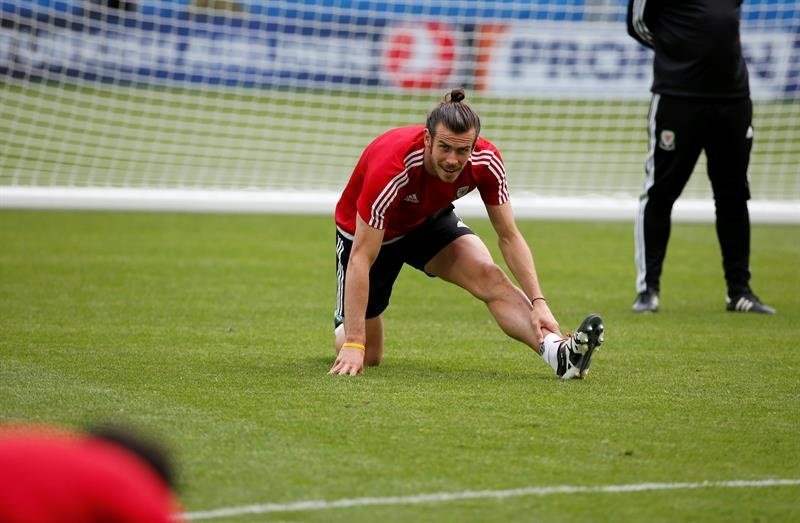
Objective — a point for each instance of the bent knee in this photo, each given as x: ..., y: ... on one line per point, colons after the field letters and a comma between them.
x: 373, y: 355
x: 372, y: 360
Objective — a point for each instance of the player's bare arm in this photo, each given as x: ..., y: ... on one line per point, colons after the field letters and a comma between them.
x: 518, y: 257
x: 366, y: 245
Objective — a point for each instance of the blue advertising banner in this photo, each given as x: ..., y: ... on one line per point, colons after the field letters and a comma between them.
x: 207, y: 50
x: 348, y: 49
x: 598, y: 60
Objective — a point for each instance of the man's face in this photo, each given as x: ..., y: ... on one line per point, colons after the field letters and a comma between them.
x: 446, y: 153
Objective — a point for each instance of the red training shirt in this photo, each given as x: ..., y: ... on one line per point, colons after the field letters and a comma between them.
x: 390, y: 189
x: 59, y: 477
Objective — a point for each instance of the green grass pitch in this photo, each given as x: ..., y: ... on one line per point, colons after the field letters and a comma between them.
x: 214, y: 332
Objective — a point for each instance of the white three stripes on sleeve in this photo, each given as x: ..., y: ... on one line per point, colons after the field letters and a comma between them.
x: 496, y: 167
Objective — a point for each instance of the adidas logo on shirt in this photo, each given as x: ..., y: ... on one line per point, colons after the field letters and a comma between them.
x: 411, y: 198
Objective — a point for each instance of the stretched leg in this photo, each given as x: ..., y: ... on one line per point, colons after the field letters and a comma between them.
x: 467, y: 263
x: 374, y: 351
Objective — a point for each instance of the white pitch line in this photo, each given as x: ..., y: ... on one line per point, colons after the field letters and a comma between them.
x: 440, y: 497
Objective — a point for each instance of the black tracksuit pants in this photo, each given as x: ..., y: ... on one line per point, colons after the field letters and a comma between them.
x: 678, y: 130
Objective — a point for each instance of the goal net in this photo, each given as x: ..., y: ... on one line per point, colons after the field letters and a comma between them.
x: 268, y: 104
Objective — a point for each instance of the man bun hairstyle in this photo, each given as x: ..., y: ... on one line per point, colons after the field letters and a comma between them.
x: 455, y: 114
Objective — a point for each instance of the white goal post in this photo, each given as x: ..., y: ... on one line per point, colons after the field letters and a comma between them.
x: 265, y: 106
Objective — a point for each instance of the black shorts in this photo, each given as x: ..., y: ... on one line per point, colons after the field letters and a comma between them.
x: 415, y: 248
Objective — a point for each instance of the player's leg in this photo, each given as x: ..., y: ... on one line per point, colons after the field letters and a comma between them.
x: 728, y: 153
x: 675, y: 140
x: 445, y: 247
x: 466, y: 262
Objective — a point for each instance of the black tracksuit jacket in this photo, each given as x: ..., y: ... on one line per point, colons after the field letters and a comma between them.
x: 698, y: 52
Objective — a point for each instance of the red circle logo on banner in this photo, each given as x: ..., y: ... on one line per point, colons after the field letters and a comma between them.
x: 419, y: 56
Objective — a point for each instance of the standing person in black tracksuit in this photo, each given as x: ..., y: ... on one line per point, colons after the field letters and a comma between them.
x: 701, y: 101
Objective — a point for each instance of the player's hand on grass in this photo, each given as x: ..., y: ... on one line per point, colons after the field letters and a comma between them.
x: 349, y: 361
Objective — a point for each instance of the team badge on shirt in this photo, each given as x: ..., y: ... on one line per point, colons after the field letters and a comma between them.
x: 461, y: 191
x: 667, y: 140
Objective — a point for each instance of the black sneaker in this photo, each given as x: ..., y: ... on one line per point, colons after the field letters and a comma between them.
x: 575, y: 353
x: 747, y: 302
x: 646, y: 301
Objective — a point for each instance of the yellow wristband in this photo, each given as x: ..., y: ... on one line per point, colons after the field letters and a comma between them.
x: 353, y: 346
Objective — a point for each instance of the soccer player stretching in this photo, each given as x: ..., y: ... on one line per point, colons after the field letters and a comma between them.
x: 397, y: 208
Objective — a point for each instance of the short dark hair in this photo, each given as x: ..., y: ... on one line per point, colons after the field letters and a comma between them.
x: 146, y: 448
x: 455, y: 114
